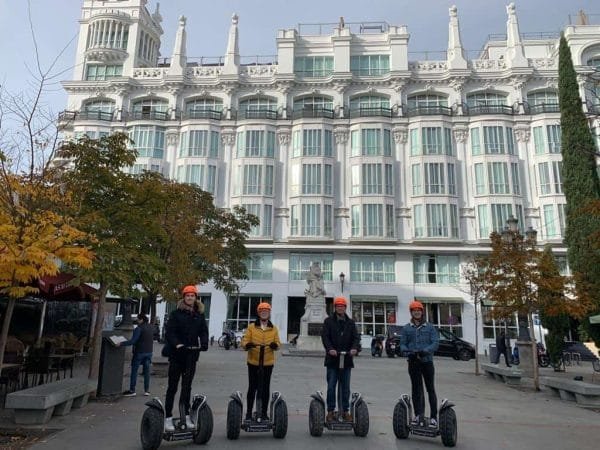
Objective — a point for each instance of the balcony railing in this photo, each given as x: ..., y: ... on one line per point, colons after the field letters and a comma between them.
x: 433, y: 110
x: 257, y: 114
x: 203, y: 114
x: 149, y: 115
x: 87, y: 115
x: 544, y: 108
x: 378, y: 111
x: 489, y: 109
x: 314, y: 112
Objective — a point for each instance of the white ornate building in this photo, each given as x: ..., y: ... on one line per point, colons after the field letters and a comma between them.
x: 390, y: 171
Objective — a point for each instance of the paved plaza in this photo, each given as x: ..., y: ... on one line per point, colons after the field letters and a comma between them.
x: 490, y: 414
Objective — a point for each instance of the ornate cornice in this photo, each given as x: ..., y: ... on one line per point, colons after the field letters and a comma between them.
x: 341, y: 135
x: 400, y: 135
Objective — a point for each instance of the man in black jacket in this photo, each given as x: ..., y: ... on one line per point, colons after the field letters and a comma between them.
x: 186, y: 328
x: 339, y: 334
x: 502, y: 348
x: 142, y: 341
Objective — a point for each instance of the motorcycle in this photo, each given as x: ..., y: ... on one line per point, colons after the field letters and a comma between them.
x: 542, y: 356
x: 228, y: 339
x: 377, y: 345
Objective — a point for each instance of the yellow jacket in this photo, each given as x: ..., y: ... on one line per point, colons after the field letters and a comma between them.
x: 256, y: 335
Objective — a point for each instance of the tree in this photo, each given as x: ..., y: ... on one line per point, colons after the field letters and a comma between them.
x: 519, y: 279
x: 103, y: 208
x: 474, y: 274
x: 186, y: 239
x: 580, y: 183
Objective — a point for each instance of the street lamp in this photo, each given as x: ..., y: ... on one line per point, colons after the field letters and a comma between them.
x: 342, y: 278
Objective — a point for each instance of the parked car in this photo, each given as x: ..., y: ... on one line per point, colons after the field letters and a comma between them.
x: 392, y: 341
x: 452, y: 345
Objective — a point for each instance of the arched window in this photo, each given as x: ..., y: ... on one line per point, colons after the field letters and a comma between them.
x: 204, y: 108
x: 313, y: 106
x: 151, y: 108
x: 98, y: 109
x: 488, y: 103
x: 370, y: 105
x: 594, y: 62
x: 427, y: 104
x: 543, y: 101
x: 258, y: 108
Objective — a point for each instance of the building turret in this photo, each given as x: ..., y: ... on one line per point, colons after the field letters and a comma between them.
x: 456, y: 53
x: 179, y: 58
x: 232, y: 56
x: 515, y: 54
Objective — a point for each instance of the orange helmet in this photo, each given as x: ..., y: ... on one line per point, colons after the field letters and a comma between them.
x: 262, y: 306
x: 415, y: 304
x: 190, y: 289
x: 340, y: 301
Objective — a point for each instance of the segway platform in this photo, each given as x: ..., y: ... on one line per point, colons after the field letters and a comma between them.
x: 278, y: 424
x: 422, y: 429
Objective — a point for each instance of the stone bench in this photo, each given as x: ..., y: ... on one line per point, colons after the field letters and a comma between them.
x: 585, y: 394
x: 160, y: 367
x: 36, y: 405
x: 507, y: 375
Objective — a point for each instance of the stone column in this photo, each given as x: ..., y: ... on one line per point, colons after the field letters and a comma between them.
x: 228, y: 141
x: 341, y: 208
x: 400, y: 135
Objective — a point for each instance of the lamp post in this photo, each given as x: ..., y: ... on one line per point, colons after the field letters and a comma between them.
x: 342, y: 278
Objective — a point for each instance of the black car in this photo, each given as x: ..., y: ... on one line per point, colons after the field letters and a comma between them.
x: 392, y: 341
x: 451, y: 345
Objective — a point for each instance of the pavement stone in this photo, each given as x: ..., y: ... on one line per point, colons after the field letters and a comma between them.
x: 490, y: 414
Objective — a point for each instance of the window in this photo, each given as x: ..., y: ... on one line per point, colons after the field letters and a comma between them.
x: 149, y: 141
x: 241, y: 310
x: 538, y: 140
x: 553, y: 138
x: 500, y: 213
x: 328, y: 182
x: 369, y: 65
x: 475, y: 142
x: 436, y: 141
x: 99, y: 109
x: 311, y: 220
x: 311, y: 179
x: 300, y: 265
x: 258, y: 104
x: 312, y: 143
x: 264, y: 228
x: 101, y: 72
x: 389, y: 220
x: 542, y: 98
x: 152, y: 108
x: 418, y: 221
x: 479, y: 179
x: 201, y: 175
x: 550, y: 222
x: 370, y: 142
x: 415, y: 149
x: 451, y: 180
x: 203, y: 104
x: 516, y: 184
x: 561, y: 218
x: 436, y: 269
x: 199, y: 143
x: 486, y: 99
x: 483, y: 221
x: 371, y: 179
x: 493, y: 140
x: 256, y: 179
x: 426, y: 100
x: 255, y: 143
x: 355, y: 220
x: 373, y: 315
x: 372, y: 220
x: 441, y: 220
x: 544, y: 180
x: 259, y: 266
x: 434, y: 178
x: 416, y: 179
x: 389, y: 179
x: 498, y: 177
x: 306, y: 220
x: 313, y: 66
x: 492, y: 327
x: 372, y: 268
x: 510, y: 141
x: 446, y: 317
x: 437, y: 220
x: 369, y: 102
x: 313, y: 103
x: 328, y: 220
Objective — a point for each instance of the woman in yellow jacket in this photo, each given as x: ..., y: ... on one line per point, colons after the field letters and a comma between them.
x: 260, y: 333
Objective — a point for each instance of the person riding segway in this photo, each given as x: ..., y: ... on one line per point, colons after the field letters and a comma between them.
x: 187, y: 336
x: 341, y: 342
x: 261, y: 340
x: 419, y: 339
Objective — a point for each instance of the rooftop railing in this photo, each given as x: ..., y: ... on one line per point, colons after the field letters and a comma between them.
x: 319, y: 29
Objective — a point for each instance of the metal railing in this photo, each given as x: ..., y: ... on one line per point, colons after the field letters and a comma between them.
x: 314, y: 112
x: 203, y: 114
x: 149, y: 115
x: 257, y: 114
x: 489, y: 109
x: 433, y: 110
x: 319, y: 29
x: 371, y: 111
x: 543, y: 108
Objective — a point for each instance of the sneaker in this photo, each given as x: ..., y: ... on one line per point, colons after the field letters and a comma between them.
x: 433, y: 423
x: 189, y: 422
x: 347, y: 417
x: 146, y: 394
x: 129, y: 394
x: 330, y: 416
x: 416, y: 420
x: 169, y: 424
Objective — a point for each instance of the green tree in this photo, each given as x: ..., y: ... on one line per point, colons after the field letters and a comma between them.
x: 102, y: 205
x: 580, y: 183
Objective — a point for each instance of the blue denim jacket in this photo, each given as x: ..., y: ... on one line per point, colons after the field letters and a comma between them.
x: 422, y: 338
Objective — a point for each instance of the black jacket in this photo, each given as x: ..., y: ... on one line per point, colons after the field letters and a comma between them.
x: 342, y: 336
x: 187, y: 328
x: 501, y: 343
x: 142, y: 339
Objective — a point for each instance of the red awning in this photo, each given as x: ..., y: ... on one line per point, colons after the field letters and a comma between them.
x: 65, y: 286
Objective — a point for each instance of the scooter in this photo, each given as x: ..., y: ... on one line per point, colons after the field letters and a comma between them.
x: 152, y: 429
x: 377, y: 345
x: 358, y: 407
x: 278, y: 411
x: 404, y: 425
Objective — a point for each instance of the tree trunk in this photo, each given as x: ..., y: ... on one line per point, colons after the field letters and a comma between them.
x: 152, y: 300
x: 476, y: 340
x: 97, y: 338
x: 536, y: 370
x: 5, y: 327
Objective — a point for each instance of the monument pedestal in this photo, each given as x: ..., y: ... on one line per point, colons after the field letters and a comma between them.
x: 311, y: 325
x: 526, y: 358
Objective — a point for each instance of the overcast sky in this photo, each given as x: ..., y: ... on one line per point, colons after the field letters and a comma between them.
x: 56, y: 24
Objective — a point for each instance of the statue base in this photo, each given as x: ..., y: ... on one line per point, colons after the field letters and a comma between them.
x: 310, y: 344
x: 526, y: 358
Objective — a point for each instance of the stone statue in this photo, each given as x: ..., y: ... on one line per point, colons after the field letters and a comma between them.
x: 512, y: 13
x: 316, y: 288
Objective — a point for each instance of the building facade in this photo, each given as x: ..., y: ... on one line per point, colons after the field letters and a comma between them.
x: 387, y: 171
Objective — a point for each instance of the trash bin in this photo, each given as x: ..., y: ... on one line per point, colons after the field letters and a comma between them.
x: 112, y: 359
x: 493, y: 353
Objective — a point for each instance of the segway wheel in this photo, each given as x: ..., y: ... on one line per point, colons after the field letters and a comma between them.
x: 205, y: 426
x: 151, y: 429
x: 448, y: 429
x: 280, y: 420
x: 226, y: 344
x: 400, y: 421
x: 361, y: 421
x: 234, y: 419
x: 316, y: 418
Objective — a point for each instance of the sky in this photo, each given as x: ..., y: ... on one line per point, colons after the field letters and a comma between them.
x: 56, y: 27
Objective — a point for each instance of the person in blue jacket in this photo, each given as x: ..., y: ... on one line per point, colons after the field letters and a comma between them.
x: 418, y: 340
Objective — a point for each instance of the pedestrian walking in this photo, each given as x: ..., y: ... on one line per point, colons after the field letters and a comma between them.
x: 142, y: 341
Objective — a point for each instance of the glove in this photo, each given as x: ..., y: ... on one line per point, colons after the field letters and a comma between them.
x: 273, y: 345
x: 250, y: 345
x: 204, y: 347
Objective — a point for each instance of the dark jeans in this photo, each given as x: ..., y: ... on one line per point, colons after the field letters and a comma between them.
x: 256, y: 389
x: 506, y: 357
x: 419, y: 372
x: 180, y: 366
x: 335, y: 375
x: 138, y: 359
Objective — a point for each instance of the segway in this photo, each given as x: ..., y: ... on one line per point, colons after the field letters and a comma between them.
x: 278, y: 421
x: 152, y: 429
x: 358, y: 407
x: 403, y: 422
